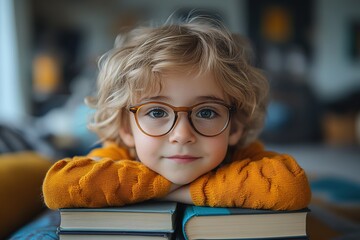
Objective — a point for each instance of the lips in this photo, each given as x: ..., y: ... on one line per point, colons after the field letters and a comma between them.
x: 183, y: 158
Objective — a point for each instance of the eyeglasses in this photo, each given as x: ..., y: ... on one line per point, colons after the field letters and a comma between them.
x: 157, y: 119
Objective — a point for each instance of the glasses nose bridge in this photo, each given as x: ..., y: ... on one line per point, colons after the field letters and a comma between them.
x: 187, y: 110
x: 177, y: 110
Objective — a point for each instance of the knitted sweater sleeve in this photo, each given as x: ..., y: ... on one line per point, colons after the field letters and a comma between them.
x: 84, y: 182
x: 260, y: 179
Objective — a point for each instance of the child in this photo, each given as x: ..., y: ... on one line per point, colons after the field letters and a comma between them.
x: 178, y: 109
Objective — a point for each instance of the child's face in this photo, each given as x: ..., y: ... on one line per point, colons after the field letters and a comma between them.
x: 182, y: 155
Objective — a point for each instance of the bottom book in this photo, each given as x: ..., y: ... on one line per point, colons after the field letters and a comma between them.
x: 79, y: 235
x: 238, y: 223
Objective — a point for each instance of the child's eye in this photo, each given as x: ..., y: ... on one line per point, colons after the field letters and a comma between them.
x: 157, y: 113
x: 206, y: 113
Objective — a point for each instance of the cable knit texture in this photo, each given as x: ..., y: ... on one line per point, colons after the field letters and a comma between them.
x: 254, y: 179
x: 111, y: 181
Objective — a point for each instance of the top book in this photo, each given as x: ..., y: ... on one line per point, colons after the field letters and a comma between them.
x: 141, y: 217
x: 239, y: 223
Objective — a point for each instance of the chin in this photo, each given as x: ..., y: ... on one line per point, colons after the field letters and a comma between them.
x: 181, y: 181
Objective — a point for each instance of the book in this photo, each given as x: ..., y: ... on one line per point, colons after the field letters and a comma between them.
x: 240, y: 223
x: 112, y: 235
x: 148, y: 216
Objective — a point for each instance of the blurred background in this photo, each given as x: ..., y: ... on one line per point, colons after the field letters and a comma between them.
x: 309, y: 49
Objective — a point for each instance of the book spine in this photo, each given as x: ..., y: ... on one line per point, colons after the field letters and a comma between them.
x: 188, y: 214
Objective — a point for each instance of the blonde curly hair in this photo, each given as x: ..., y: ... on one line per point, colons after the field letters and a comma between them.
x: 135, y: 65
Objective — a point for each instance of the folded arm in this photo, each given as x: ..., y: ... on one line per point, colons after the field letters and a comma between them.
x: 257, y: 179
x: 83, y: 182
x: 275, y: 182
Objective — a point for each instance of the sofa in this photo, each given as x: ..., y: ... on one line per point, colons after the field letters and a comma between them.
x: 22, y: 169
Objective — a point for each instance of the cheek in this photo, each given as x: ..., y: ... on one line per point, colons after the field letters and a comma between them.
x: 144, y: 145
x: 147, y: 148
x: 217, y: 148
x: 141, y: 140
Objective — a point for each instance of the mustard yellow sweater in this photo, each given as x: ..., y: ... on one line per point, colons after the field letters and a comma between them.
x: 254, y: 179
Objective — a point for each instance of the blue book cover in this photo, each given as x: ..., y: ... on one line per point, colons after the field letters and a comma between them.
x: 240, y: 223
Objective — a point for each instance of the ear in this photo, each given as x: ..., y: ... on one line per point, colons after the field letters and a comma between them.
x: 126, y: 135
x: 236, y: 132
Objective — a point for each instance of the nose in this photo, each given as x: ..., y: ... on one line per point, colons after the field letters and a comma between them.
x: 182, y: 132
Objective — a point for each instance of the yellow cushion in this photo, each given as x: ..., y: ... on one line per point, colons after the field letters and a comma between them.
x: 21, y: 177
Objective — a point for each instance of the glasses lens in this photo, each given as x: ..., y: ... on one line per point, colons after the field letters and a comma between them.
x: 155, y: 118
x: 210, y: 119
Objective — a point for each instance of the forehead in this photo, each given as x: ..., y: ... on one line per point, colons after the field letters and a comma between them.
x: 186, y: 87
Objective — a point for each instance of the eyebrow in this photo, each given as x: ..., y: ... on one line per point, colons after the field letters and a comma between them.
x: 210, y: 98
x: 155, y: 98
x: 197, y: 99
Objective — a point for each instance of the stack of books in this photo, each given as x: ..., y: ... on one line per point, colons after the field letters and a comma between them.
x: 148, y: 220
x: 169, y: 220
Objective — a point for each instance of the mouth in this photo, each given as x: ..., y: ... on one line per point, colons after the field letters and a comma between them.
x: 183, y: 158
